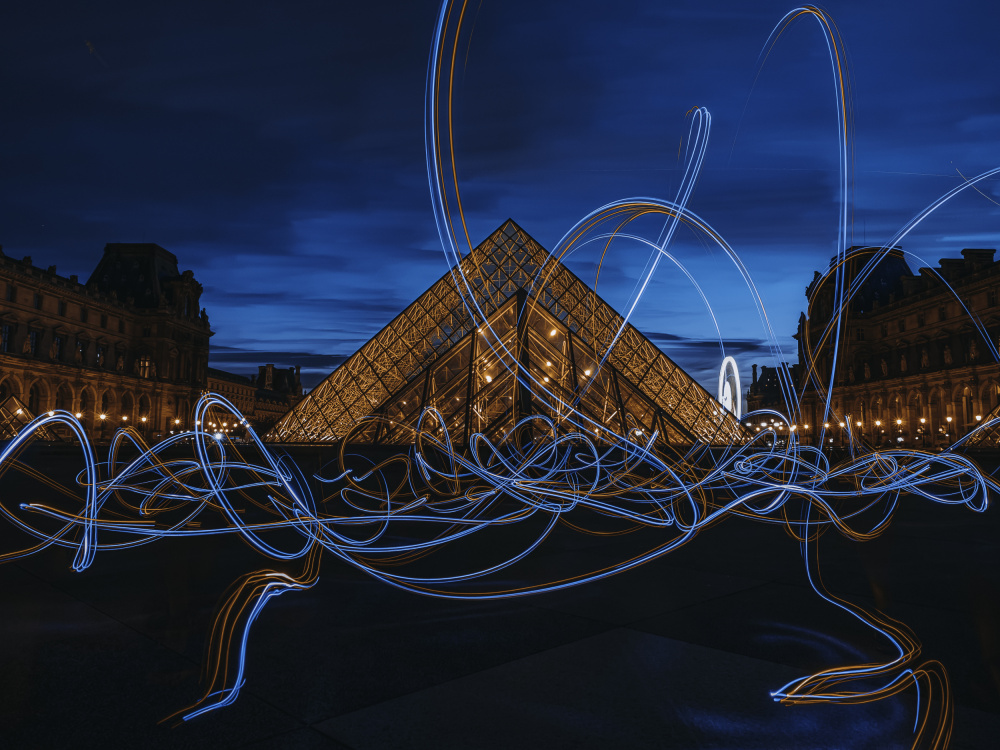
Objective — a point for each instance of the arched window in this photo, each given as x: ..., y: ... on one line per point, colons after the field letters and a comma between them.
x: 64, y: 397
x: 34, y: 399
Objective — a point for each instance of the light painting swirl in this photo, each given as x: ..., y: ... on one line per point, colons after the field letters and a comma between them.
x: 358, y: 511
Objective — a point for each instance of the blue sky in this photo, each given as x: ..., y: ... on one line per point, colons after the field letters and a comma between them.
x: 277, y: 149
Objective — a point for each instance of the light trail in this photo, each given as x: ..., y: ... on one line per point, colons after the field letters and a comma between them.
x: 573, y: 471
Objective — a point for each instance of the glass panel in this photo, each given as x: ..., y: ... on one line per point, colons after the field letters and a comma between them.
x: 435, y: 331
x: 492, y: 402
x: 639, y: 411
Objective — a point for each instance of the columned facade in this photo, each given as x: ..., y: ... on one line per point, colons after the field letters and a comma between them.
x: 127, y: 348
x: 913, y: 368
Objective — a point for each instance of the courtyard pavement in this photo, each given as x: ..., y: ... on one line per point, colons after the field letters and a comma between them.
x: 680, y: 653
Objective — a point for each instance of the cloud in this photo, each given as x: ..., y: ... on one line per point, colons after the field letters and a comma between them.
x: 282, y: 157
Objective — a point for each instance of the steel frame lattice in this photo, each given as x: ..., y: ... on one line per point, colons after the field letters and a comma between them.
x: 14, y: 415
x: 432, y: 354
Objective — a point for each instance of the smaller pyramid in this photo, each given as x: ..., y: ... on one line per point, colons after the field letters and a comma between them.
x: 14, y: 415
x: 543, y: 322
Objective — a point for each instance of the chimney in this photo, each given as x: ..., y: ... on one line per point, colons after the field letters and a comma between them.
x: 754, y: 381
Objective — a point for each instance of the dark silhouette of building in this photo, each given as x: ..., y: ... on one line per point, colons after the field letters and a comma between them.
x: 261, y: 398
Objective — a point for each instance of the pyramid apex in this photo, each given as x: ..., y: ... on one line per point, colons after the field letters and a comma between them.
x: 509, y: 227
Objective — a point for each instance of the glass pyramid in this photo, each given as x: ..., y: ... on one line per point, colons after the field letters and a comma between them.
x: 986, y: 438
x: 14, y: 415
x: 541, y: 320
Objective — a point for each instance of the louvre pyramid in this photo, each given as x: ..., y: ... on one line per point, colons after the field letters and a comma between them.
x: 548, y: 320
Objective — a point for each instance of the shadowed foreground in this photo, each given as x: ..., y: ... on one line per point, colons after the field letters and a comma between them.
x: 680, y: 653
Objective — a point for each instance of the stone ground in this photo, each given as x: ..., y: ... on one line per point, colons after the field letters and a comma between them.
x: 680, y: 653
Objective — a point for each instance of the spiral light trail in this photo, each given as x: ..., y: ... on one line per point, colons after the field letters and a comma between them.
x: 198, y: 484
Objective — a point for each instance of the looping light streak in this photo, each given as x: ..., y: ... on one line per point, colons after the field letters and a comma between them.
x: 387, y: 518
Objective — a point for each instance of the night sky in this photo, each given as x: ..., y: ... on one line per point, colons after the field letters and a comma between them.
x: 277, y: 149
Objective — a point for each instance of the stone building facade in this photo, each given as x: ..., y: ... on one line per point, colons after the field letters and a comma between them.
x: 913, y: 368
x: 128, y: 347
